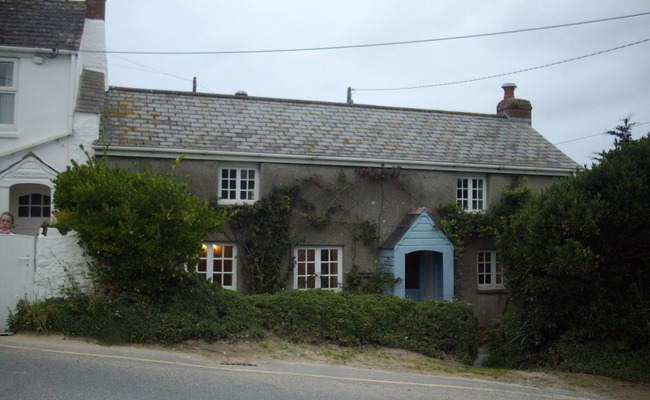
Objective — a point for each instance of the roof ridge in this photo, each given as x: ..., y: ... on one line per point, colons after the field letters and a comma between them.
x: 298, y: 101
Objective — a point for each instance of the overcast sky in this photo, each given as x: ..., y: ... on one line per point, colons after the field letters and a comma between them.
x: 573, y: 102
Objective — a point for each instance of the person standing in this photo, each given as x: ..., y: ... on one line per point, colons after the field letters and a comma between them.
x: 6, y: 222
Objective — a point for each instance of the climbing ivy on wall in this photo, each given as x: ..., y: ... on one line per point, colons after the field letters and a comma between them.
x: 265, y: 238
x: 461, y: 226
x: 262, y: 231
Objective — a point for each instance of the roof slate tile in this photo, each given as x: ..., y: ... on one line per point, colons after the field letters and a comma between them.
x: 42, y: 23
x: 292, y: 127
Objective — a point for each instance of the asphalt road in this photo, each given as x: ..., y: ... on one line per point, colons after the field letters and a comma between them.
x: 33, y: 367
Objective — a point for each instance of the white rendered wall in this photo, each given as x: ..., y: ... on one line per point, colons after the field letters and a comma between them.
x: 58, y: 257
x: 44, y: 104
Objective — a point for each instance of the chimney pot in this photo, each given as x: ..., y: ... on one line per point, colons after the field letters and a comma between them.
x: 513, y: 108
x: 508, y: 90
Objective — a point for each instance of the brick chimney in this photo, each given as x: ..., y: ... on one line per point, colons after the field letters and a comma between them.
x: 96, y: 9
x: 513, y: 107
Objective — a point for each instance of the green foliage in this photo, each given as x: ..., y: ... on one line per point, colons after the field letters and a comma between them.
x: 461, y: 226
x: 142, y: 227
x: 263, y: 232
x: 205, y: 311
x: 623, y: 132
x: 379, y: 281
x: 578, y: 265
x: 430, y: 327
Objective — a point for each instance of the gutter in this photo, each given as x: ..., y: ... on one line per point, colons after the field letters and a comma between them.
x: 213, y: 155
x: 38, y: 50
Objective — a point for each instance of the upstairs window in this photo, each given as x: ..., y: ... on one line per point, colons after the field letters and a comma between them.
x: 488, y: 270
x: 470, y: 194
x: 7, y: 92
x: 238, y: 185
x: 318, y: 268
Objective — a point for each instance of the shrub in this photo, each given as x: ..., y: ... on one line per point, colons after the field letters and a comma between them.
x: 143, y: 227
x: 430, y: 327
x: 202, y: 310
x: 576, y: 265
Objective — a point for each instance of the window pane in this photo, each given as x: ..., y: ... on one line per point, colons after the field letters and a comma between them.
x: 227, y: 265
x: 46, y: 211
x: 217, y: 251
x: 227, y: 280
x: 23, y: 199
x: 36, y: 211
x: 202, y: 267
x: 227, y: 251
x: 23, y: 211
x: 6, y: 73
x: 7, y: 104
x: 217, y: 266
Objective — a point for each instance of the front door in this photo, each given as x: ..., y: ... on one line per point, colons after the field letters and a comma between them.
x: 423, y: 275
x: 31, y: 205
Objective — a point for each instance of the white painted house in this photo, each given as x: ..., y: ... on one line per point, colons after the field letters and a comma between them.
x: 52, y: 82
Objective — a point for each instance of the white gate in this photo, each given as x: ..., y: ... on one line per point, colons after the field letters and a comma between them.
x: 16, y: 272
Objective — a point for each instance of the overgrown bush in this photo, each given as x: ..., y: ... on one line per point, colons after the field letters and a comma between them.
x: 577, y: 267
x: 142, y: 227
x: 202, y: 310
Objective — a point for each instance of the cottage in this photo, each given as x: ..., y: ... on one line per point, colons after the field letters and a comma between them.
x: 373, y: 178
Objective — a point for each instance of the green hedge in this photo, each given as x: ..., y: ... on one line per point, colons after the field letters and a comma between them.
x: 200, y: 310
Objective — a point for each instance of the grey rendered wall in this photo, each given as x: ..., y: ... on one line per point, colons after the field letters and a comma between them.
x: 382, y: 202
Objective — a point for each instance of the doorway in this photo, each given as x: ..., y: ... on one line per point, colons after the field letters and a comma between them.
x: 31, y: 205
x: 423, y: 275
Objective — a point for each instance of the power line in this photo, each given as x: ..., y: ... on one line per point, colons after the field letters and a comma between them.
x: 590, y: 136
x: 505, y: 73
x: 356, y: 46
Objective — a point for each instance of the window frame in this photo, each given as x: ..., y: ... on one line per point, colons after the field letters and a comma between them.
x: 11, y: 90
x: 210, y: 259
x: 470, y: 200
x: 319, y: 263
x: 495, y: 274
x: 238, y: 179
x: 28, y: 204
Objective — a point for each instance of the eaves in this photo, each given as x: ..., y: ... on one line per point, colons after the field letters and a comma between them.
x: 229, y: 156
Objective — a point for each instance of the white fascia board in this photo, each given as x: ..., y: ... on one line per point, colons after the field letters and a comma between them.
x: 191, y: 154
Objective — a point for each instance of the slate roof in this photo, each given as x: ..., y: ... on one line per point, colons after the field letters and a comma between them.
x: 42, y: 23
x: 180, y: 121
